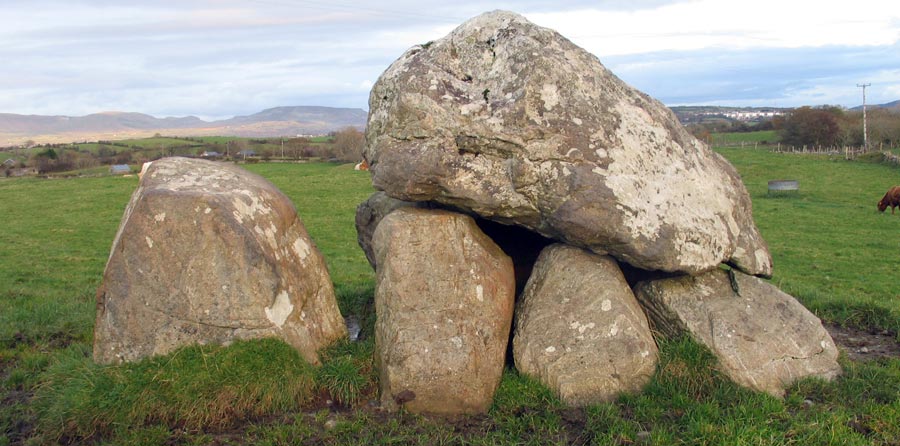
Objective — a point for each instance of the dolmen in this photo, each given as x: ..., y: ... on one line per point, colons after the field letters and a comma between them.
x: 209, y: 253
x: 504, y: 127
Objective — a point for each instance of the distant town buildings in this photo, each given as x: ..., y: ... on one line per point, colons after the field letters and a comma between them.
x: 698, y: 114
x: 740, y: 115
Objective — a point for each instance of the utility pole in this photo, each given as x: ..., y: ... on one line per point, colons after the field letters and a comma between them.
x: 282, y: 148
x: 865, y: 130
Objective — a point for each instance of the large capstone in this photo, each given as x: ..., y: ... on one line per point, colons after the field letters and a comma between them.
x: 515, y: 123
x: 444, y: 304
x: 580, y: 330
x: 210, y: 253
x: 764, y: 339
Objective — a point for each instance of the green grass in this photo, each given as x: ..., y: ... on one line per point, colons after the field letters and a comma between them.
x: 197, y: 387
x: 157, y: 142
x: 94, y: 148
x: 760, y: 136
x: 830, y: 247
x: 217, y: 139
x: 55, y: 239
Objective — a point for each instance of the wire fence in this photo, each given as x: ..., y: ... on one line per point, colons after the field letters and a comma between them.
x: 848, y: 152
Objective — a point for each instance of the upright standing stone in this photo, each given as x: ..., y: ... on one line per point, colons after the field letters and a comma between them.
x: 209, y: 253
x: 515, y: 123
x: 370, y: 212
x: 580, y: 330
x: 764, y: 339
x: 444, y: 300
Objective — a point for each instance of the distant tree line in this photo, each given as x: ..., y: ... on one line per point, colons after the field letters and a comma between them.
x: 823, y: 126
x: 344, y: 145
x: 834, y: 127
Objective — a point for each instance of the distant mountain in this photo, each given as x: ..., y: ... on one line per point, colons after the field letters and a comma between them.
x: 101, y: 122
x: 340, y: 117
x: 278, y: 121
x: 894, y: 106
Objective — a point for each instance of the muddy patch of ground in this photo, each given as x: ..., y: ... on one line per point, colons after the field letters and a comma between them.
x: 19, y: 427
x: 862, y: 345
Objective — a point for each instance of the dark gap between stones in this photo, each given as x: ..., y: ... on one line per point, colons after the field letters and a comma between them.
x: 520, y: 244
x: 523, y: 246
x: 634, y: 275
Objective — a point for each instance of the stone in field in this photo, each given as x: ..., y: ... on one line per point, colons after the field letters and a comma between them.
x: 764, y: 339
x: 209, y: 253
x: 444, y: 301
x: 580, y: 330
x: 515, y: 123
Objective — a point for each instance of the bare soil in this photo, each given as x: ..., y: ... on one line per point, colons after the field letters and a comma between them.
x: 861, y: 345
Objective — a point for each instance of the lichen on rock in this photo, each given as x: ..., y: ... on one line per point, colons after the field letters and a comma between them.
x: 513, y: 122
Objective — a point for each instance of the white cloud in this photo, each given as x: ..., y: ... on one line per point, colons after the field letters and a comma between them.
x: 218, y: 58
x: 715, y: 23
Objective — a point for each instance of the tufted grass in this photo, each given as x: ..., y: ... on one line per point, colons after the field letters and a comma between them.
x: 209, y: 387
x: 831, y: 249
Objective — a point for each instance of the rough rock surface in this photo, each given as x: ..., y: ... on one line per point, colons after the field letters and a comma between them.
x: 764, y: 338
x: 370, y: 212
x: 517, y: 124
x: 444, y: 301
x: 209, y: 253
x: 580, y: 330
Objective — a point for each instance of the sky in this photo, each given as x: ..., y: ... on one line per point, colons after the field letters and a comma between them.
x: 222, y: 58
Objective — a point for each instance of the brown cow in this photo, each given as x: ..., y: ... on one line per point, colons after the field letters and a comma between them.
x: 891, y: 198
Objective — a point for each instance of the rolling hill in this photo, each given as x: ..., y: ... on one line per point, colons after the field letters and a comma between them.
x: 893, y: 106
x: 278, y: 121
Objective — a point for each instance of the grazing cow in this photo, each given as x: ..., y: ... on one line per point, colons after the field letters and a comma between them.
x: 891, y: 198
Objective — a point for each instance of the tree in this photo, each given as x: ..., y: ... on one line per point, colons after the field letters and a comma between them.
x: 50, y: 161
x: 49, y: 154
x: 104, y: 151
x: 808, y: 126
x: 239, y: 148
x: 348, y: 144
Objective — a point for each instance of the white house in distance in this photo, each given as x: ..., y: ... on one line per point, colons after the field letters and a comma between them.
x: 747, y: 115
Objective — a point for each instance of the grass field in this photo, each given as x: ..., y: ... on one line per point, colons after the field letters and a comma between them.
x: 761, y: 137
x: 830, y: 246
